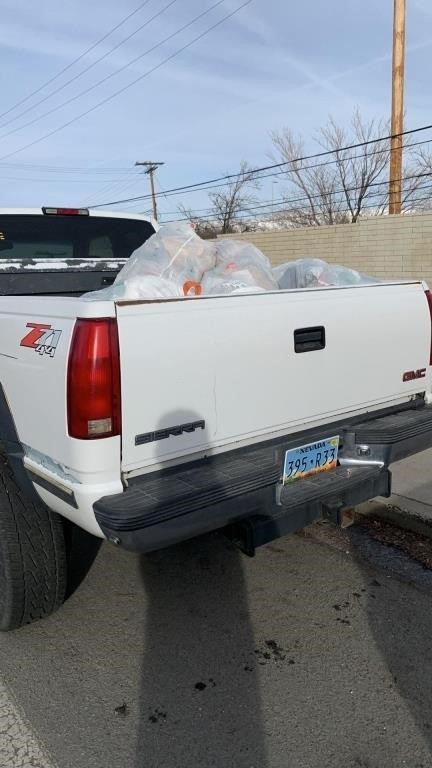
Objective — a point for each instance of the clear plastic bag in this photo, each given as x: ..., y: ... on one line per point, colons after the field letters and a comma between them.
x: 242, y: 281
x: 234, y: 252
x: 175, y: 252
x: 177, y: 262
x: 173, y: 259
x: 138, y: 287
x: 303, y: 273
x: 315, y: 273
x: 240, y: 267
x: 338, y: 275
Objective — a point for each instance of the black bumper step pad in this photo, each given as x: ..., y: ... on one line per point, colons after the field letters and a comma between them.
x: 149, y: 500
x: 395, y: 427
x: 158, y: 498
x: 333, y: 487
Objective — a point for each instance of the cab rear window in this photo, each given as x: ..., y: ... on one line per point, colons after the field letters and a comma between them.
x: 32, y: 237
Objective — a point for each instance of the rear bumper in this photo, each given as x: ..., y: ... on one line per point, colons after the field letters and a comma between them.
x: 163, y: 508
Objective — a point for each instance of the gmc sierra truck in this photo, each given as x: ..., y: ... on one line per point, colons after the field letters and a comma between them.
x: 149, y: 422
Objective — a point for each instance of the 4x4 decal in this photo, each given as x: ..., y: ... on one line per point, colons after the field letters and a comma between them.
x: 42, y: 338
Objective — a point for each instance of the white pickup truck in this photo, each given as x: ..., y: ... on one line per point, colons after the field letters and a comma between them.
x: 150, y: 422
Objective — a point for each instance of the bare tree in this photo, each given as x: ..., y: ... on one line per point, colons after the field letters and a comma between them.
x: 228, y: 204
x: 310, y: 196
x: 422, y: 180
x: 346, y: 183
x: 202, y: 226
x: 350, y: 180
x: 234, y: 199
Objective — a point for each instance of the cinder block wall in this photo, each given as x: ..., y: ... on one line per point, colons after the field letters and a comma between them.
x: 385, y: 246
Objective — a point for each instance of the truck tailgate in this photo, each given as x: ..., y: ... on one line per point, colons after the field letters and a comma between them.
x: 211, y: 373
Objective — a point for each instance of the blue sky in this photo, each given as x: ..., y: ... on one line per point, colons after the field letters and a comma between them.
x: 275, y: 63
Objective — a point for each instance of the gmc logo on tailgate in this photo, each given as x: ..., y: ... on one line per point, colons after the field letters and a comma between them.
x: 420, y: 373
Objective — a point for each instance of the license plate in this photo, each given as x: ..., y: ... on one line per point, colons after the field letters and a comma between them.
x: 310, y: 459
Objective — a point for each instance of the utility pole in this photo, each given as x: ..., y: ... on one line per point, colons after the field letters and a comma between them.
x: 151, y: 168
x: 397, y: 116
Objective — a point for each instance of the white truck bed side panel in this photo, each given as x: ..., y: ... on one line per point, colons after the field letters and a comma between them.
x: 35, y: 387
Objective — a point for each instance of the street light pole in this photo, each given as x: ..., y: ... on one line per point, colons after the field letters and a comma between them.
x: 150, y: 170
x: 397, y: 115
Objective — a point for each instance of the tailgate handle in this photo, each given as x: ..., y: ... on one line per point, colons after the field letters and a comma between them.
x: 309, y: 339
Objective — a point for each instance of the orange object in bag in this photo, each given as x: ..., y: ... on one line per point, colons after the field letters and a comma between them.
x: 191, y: 288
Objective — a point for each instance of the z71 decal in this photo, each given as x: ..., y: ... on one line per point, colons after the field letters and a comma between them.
x: 42, y: 338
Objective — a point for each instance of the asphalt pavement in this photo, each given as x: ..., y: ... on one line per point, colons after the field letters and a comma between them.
x: 314, y: 654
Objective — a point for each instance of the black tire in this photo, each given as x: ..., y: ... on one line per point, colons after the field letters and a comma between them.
x: 32, y: 556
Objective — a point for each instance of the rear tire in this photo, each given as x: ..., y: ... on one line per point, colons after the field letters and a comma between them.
x: 32, y: 556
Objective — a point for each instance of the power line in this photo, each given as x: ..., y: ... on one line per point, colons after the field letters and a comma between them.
x: 413, y: 201
x: 173, y: 193
x: 126, y: 182
x: 75, y: 61
x: 119, y: 185
x: 364, y: 207
x: 103, y: 170
x: 87, y: 69
x: 198, y: 186
x: 59, y: 169
x: 86, y: 171
x: 63, y: 169
x: 110, y: 182
x: 137, y: 80
x: 254, y: 171
x: 284, y: 202
x: 406, y: 203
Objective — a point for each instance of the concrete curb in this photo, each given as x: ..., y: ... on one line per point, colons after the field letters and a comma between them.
x: 390, y: 513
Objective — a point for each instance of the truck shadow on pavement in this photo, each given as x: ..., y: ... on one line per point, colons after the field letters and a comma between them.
x: 199, y: 702
x: 81, y: 551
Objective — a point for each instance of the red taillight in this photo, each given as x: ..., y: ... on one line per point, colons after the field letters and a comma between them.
x: 429, y: 301
x: 93, y: 383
